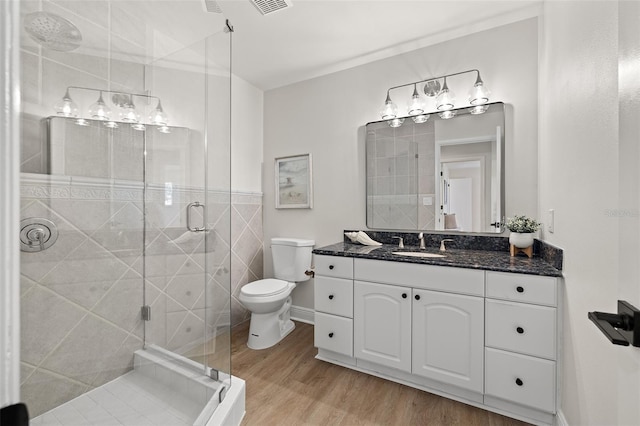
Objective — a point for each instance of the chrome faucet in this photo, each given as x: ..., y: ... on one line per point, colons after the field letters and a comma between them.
x: 442, y: 246
x: 421, y: 238
x: 400, y: 243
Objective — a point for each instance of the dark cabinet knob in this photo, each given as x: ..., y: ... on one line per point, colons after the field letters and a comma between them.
x: 520, y: 330
x: 519, y: 382
x: 331, y: 334
x: 331, y: 266
x: 520, y: 289
x: 331, y: 297
x: 404, y: 295
x: 417, y: 297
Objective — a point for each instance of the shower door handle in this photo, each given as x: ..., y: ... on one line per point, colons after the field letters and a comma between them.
x: 190, y: 208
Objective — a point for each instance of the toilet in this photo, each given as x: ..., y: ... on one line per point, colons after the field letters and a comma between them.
x: 269, y: 300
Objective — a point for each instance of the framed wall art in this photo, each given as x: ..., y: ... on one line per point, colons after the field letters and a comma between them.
x: 294, y: 188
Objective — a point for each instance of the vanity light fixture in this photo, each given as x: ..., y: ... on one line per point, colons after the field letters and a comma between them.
x: 129, y: 113
x: 444, y: 99
x: 479, y: 94
x: 389, y: 110
x: 66, y: 107
x: 157, y: 116
x: 101, y: 111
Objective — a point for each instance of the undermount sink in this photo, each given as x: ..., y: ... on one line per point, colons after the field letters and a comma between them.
x: 417, y: 254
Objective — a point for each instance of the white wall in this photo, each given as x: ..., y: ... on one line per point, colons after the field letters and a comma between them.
x: 325, y: 116
x: 246, y: 136
x: 581, y: 167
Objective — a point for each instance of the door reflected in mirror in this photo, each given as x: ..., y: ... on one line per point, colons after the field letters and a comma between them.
x: 443, y: 174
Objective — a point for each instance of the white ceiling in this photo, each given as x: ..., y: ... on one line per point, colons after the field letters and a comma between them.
x: 309, y: 39
x: 317, y: 37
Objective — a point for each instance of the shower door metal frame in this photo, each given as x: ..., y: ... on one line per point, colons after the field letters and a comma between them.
x: 10, y: 200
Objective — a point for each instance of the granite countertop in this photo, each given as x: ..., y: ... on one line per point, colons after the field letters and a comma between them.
x: 457, y: 258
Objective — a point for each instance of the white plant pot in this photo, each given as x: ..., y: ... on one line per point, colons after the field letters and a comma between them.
x: 521, y: 240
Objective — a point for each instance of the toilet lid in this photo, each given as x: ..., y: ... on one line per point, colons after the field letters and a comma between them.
x: 266, y: 287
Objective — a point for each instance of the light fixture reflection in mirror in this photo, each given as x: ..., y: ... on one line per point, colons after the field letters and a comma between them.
x: 124, y: 102
x: 404, y: 189
x: 447, y: 114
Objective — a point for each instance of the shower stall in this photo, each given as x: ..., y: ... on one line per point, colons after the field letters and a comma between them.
x: 125, y: 208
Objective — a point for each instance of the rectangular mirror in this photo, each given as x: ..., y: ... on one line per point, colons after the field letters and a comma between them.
x: 442, y: 174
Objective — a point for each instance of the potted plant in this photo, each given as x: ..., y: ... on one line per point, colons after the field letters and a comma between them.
x: 522, y: 229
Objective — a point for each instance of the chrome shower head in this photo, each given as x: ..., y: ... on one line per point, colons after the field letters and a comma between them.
x: 52, y: 31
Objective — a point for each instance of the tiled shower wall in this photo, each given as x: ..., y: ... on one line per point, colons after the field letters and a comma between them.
x: 81, y: 298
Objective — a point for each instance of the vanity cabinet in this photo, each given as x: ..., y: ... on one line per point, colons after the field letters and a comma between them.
x: 486, y: 338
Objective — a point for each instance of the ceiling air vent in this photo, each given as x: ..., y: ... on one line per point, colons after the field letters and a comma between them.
x: 269, y: 6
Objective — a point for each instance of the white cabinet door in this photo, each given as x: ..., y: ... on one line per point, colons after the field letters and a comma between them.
x: 382, y: 324
x: 448, y: 338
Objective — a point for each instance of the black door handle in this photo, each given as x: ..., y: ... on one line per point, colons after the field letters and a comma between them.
x: 417, y: 297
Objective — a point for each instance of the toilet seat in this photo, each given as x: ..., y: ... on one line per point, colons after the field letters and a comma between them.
x: 265, y: 287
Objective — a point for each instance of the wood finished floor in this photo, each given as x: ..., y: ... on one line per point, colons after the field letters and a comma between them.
x: 286, y: 385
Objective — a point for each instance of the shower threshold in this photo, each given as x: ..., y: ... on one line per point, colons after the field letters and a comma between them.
x: 155, y: 392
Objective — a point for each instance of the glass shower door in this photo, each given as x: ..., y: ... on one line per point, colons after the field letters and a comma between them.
x: 187, y: 206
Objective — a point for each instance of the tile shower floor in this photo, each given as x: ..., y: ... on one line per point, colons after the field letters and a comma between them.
x: 131, y: 400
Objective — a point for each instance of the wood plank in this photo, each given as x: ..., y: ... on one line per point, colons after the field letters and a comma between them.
x: 286, y: 385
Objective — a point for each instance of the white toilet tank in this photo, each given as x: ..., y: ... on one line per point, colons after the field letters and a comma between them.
x: 291, y: 258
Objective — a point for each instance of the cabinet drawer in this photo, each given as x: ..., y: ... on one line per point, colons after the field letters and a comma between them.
x: 334, y: 296
x: 527, y: 329
x: 425, y: 277
x: 334, y: 266
x: 522, y: 288
x: 521, y: 379
x: 333, y: 333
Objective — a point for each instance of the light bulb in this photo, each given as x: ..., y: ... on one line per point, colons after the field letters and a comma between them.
x: 390, y: 110
x: 445, y: 99
x: 129, y: 113
x: 479, y: 94
x: 416, y: 106
x: 158, y: 116
x: 100, y: 110
x: 66, y: 107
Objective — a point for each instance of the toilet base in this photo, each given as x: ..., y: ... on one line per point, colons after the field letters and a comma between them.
x: 266, y: 330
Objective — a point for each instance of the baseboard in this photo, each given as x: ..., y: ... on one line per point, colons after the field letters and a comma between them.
x: 561, y: 420
x: 299, y: 313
